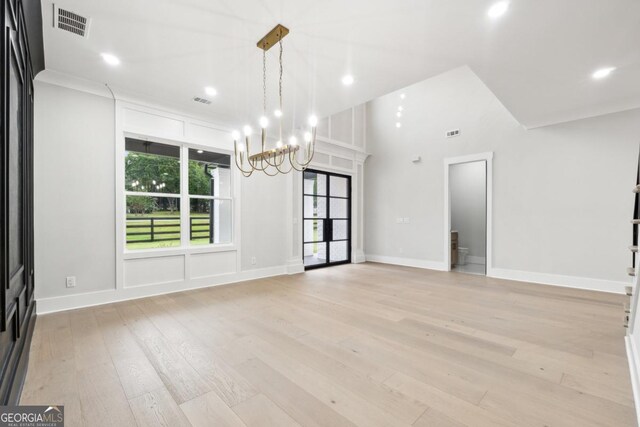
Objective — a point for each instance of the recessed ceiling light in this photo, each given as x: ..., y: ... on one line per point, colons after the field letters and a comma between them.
x: 200, y: 151
x: 403, y: 96
x: 400, y: 108
x: 603, y: 72
x: 347, y: 80
x: 399, y: 114
x: 498, y: 9
x: 211, y: 91
x: 398, y: 124
x: 277, y: 113
x: 110, y: 59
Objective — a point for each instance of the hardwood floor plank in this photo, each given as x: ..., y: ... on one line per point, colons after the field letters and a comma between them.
x: 157, y: 408
x: 260, y: 411
x: 102, y: 398
x: 178, y: 376
x: 210, y: 410
x: 366, y: 344
x: 300, y: 405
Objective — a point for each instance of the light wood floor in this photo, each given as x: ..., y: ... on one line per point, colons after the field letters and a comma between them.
x: 367, y: 345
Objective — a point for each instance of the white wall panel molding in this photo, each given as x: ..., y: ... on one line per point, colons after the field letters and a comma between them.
x: 69, y: 302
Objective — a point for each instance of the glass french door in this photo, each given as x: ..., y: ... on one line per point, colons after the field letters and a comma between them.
x: 327, y: 219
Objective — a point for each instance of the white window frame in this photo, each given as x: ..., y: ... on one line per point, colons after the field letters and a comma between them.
x: 184, y: 199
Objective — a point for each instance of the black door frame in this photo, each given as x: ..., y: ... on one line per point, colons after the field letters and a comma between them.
x: 328, y: 230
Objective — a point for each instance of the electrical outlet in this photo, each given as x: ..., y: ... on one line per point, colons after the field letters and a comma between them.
x: 71, y: 282
x: 253, y: 260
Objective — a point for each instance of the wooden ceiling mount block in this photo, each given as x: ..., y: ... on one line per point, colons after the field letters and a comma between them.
x: 273, y: 37
x: 633, y: 248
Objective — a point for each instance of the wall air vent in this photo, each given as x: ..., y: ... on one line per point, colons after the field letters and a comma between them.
x: 452, y: 133
x: 71, y: 22
x: 204, y: 101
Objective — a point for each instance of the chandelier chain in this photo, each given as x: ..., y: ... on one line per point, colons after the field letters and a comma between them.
x: 280, y: 83
x: 264, y: 82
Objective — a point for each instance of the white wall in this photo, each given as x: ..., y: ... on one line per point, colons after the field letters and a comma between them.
x: 75, y: 211
x: 79, y: 132
x: 74, y: 191
x: 562, y: 202
x: 468, y: 195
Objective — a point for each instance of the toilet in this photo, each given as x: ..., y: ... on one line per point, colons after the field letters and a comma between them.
x: 462, y: 255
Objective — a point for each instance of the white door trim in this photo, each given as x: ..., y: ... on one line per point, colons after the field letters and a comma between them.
x: 488, y: 158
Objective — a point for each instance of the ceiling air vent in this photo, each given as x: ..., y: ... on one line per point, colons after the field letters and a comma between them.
x: 71, y: 22
x: 204, y: 101
x: 452, y: 133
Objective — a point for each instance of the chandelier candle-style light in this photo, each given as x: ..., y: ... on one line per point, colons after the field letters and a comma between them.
x: 283, y: 158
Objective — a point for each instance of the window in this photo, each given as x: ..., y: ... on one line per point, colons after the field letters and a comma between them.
x: 155, y: 195
x: 209, y: 198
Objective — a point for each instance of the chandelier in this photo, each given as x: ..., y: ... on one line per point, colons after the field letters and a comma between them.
x: 281, y: 158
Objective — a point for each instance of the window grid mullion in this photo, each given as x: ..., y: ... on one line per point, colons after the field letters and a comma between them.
x: 185, y: 211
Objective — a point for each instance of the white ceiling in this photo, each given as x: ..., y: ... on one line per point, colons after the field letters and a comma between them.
x: 537, y: 59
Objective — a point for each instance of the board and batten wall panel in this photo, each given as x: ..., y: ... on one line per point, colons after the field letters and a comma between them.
x: 150, y: 124
x: 150, y: 271
x: 212, y: 264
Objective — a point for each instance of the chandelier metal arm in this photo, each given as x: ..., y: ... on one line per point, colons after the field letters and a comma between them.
x: 238, y: 164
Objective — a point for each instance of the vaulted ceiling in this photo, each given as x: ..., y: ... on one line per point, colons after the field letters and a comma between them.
x: 537, y: 58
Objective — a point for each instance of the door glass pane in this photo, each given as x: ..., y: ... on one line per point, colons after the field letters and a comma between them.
x: 340, y: 229
x: 209, y: 221
x: 313, y: 230
x: 338, y: 251
x: 338, y: 186
x: 315, y: 207
x: 339, y: 208
x: 153, y: 222
x: 315, y: 253
x: 315, y: 183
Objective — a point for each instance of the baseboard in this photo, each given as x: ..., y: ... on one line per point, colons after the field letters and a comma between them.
x: 634, y: 364
x: 472, y: 259
x: 408, y: 262
x: 89, y: 299
x: 295, y: 266
x: 559, y: 280
x: 359, y: 257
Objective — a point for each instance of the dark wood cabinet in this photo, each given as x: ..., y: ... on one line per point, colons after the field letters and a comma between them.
x: 21, y: 42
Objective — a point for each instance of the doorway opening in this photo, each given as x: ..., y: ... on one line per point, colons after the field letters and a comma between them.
x: 468, y: 213
x: 326, y: 219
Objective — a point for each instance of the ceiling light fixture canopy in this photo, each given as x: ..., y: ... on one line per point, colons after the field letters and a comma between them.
x: 273, y: 161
